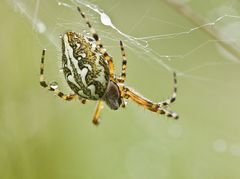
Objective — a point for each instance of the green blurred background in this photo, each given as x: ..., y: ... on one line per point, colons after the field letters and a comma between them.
x: 42, y: 136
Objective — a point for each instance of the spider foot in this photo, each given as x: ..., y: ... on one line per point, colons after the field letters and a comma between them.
x: 96, y: 122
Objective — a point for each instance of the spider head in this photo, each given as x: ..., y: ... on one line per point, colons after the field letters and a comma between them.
x: 112, y: 97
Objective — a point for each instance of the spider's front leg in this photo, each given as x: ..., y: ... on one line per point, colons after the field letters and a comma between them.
x: 154, y: 107
x: 51, y: 87
x: 122, y: 78
x: 159, y: 107
x: 174, y: 94
x: 98, y: 110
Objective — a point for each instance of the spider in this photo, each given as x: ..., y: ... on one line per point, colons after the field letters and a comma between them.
x: 89, y: 72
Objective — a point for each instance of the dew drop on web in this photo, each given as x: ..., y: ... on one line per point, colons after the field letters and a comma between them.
x: 54, y: 85
x: 105, y: 19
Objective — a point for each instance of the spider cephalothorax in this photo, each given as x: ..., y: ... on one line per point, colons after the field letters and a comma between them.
x: 89, y: 72
x: 112, y: 97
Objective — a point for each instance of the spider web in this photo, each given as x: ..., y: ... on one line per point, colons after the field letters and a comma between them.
x: 50, y: 19
x: 177, y: 41
x: 220, y: 26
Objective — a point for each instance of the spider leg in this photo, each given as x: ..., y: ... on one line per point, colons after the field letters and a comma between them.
x: 98, y: 110
x: 174, y: 95
x: 122, y: 77
x: 124, y: 65
x: 50, y: 87
x: 99, y: 44
x: 155, y: 107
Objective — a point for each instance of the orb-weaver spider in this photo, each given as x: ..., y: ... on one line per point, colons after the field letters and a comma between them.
x: 89, y: 72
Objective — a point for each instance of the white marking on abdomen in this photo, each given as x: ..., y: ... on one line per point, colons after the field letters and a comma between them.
x: 101, y: 76
x: 69, y: 55
x: 93, y: 91
x: 83, y: 73
x: 88, y: 66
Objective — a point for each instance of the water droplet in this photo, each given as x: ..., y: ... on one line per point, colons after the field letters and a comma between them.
x: 54, y: 85
x: 41, y: 27
x: 105, y: 19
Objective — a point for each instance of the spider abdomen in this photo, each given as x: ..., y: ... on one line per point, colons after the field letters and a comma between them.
x: 84, y: 68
